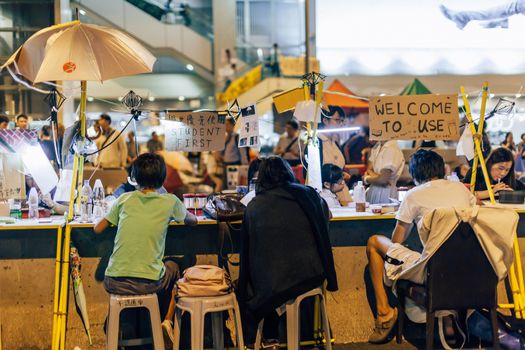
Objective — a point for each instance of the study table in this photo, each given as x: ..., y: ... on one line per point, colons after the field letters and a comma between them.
x: 28, y: 239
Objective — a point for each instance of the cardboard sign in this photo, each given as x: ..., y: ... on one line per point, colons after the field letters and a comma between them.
x: 287, y: 100
x: 194, y: 131
x: 249, y: 130
x: 12, y: 179
x: 415, y: 117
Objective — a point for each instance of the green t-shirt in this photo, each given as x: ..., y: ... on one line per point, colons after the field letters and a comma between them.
x: 142, y: 220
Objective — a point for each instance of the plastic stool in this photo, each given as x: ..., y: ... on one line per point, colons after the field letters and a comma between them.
x: 198, y: 307
x: 117, y: 303
x: 293, y: 319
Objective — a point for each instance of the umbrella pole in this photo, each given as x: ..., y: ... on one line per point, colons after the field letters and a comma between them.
x: 58, y: 263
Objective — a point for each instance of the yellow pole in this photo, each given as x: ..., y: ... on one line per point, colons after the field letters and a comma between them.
x: 478, y: 145
x: 64, y: 290
x: 58, y: 263
x: 318, y: 97
x: 480, y: 134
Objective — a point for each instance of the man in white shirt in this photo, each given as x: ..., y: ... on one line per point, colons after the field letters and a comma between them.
x: 115, y: 153
x: 428, y: 170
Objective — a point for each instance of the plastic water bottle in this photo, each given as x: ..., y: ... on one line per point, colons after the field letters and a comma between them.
x: 85, y: 202
x: 98, y: 200
x: 16, y: 209
x: 33, y: 203
x: 453, y: 177
x: 359, y: 197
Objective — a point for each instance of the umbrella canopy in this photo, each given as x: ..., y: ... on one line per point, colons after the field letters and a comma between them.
x: 79, y: 51
x: 343, y: 101
x: 415, y: 88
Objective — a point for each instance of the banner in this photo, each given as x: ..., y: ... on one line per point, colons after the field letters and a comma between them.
x: 241, y: 85
x: 194, y: 131
x: 415, y: 117
x: 249, y: 128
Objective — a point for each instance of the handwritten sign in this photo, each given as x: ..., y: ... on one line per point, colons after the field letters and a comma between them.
x: 12, y: 180
x: 415, y: 117
x: 249, y: 130
x: 194, y: 131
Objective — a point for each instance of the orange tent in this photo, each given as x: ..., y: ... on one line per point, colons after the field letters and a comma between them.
x: 343, y: 101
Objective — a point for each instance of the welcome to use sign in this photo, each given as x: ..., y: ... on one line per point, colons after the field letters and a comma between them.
x: 415, y: 117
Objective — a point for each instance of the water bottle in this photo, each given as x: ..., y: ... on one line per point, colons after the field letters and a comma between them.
x: 359, y: 197
x: 98, y: 199
x: 33, y: 203
x: 453, y: 177
x: 85, y: 202
x: 16, y: 209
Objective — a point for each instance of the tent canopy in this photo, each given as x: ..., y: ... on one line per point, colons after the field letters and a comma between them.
x: 343, y: 101
x: 415, y: 88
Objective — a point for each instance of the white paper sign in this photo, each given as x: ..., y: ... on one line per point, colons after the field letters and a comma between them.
x: 314, y: 167
x: 465, y: 145
x: 63, y: 192
x: 194, y: 131
x: 249, y: 130
x: 39, y: 167
x: 305, y: 111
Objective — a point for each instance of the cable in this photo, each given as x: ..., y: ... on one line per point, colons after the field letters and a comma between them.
x: 112, y: 141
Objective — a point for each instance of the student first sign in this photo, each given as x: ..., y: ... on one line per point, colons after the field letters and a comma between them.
x: 415, y: 117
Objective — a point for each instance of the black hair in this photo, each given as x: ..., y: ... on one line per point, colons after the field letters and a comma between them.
x: 507, y: 135
x: 106, y: 117
x: 46, y: 130
x: 366, y: 130
x: 521, y: 137
x: 501, y: 155
x: 253, y: 168
x: 274, y: 172
x: 331, y: 173
x: 293, y: 123
x: 425, y: 165
x: 21, y: 116
x: 149, y: 170
x: 329, y: 113
x: 4, y: 119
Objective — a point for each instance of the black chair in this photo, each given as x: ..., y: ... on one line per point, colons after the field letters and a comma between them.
x: 459, y: 277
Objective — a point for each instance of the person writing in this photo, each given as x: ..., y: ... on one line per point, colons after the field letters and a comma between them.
x: 333, y: 183
x: 427, y: 168
x: 142, y: 217
x: 500, y: 167
x: 385, y: 166
x: 288, y: 145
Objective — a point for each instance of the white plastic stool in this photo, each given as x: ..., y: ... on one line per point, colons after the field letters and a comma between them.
x: 117, y: 303
x: 293, y: 322
x: 198, y: 307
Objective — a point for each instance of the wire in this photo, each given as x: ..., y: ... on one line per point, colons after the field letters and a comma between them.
x: 112, y: 141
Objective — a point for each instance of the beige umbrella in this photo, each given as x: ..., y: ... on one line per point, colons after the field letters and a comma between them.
x: 78, y: 51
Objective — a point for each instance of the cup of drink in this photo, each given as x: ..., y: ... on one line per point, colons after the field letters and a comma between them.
x: 376, y: 209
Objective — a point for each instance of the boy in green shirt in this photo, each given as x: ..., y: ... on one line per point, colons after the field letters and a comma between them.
x: 135, y: 266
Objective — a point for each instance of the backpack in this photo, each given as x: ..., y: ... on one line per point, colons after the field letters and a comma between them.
x: 204, y: 281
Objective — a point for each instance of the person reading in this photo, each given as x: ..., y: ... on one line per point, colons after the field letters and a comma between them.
x: 136, y: 266
x: 500, y: 167
x: 333, y: 183
x: 432, y: 191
